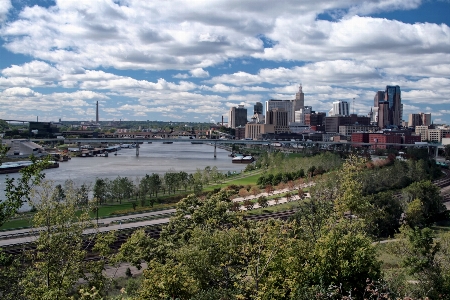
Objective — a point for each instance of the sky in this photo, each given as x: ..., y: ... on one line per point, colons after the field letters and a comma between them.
x: 190, y: 61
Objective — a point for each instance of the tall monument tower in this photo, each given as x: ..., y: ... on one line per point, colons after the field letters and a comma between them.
x: 300, y: 97
x: 96, y: 113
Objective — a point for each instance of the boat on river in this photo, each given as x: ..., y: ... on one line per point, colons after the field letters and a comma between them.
x: 243, y: 159
x: 14, y: 167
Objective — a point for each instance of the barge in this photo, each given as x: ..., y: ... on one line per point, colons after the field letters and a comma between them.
x: 243, y: 160
x: 14, y: 167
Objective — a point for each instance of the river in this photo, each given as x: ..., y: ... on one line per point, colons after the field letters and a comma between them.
x: 153, y: 158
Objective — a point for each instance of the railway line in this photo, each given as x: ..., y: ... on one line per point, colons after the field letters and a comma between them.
x: 123, y: 234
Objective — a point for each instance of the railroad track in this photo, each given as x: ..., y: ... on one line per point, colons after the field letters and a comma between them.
x: 153, y: 231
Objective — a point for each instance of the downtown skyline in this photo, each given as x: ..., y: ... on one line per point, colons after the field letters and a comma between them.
x: 192, y: 61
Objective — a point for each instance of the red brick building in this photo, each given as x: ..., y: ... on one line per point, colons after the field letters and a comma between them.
x: 360, y: 137
x: 379, y: 139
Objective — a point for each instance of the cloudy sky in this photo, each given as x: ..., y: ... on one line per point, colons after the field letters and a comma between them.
x: 176, y: 60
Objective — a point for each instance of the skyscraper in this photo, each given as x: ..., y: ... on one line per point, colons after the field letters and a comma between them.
x: 258, y: 108
x: 390, y: 108
x: 379, y: 97
x: 279, y: 118
x: 290, y: 106
x: 393, y: 97
x: 237, y: 116
x: 340, y: 108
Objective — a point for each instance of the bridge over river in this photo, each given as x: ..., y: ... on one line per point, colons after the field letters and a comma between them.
x: 432, y: 148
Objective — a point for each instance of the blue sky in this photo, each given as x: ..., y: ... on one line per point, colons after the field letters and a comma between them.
x: 193, y: 60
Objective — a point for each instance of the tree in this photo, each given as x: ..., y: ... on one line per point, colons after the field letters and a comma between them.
x: 383, y: 219
x: 447, y: 152
x: 350, y: 196
x: 255, y: 190
x: 248, y: 204
x: 17, y: 191
x: 170, y: 280
x: 83, y: 194
x: 59, y: 193
x: 344, y: 256
x: 263, y: 202
x: 288, y: 197
x: 243, y: 193
x: 269, y: 189
x: 429, y: 195
x: 184, y: 179
x: 414, y: 214
x: 100, y: 190
x: 419, y: 252
x: 59, y: 260
x: 155, y: 184
x: 193, y: 211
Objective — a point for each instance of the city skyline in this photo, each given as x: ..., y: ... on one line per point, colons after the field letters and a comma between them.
x: 193, y: 61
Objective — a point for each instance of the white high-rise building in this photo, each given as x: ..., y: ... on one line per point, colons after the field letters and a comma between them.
x: 300, y: 114
x: 340, y: 108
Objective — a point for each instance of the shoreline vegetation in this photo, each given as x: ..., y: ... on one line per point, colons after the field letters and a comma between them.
x: 202, y: 181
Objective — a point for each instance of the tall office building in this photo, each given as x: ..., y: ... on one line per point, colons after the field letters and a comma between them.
x: 379, y: 97
x: 340, y: 108
x: 426, y: 119
x: 278, y: 117
x: 393, y: 97
x: 414, y: 120
x: 258, y: 108
x: 290, y: 106
x: 237, y: 116
x: 390, y: 108
x: 419, y: 120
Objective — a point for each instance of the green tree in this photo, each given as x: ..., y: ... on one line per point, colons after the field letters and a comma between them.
x: 58, y: 262
x: 17, y: 191
x: 419, y: 252
x: 170, y: 280
x: 383, y: 219
x: 100, y: 190
x: 344, y: 256
x: 59, y: 193
x: 11, y: 272
x: 414, y: 214
x: 155, y: 184
x: 193, y: 211
x: 429, y: 195
x: 263, y: 202
x: 349, y: 197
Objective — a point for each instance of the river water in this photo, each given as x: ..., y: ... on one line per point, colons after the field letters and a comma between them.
x: 153, y: 158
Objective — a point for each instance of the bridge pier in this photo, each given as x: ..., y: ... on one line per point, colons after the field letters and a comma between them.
x: 215, y: 150
x: 137, y: 149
